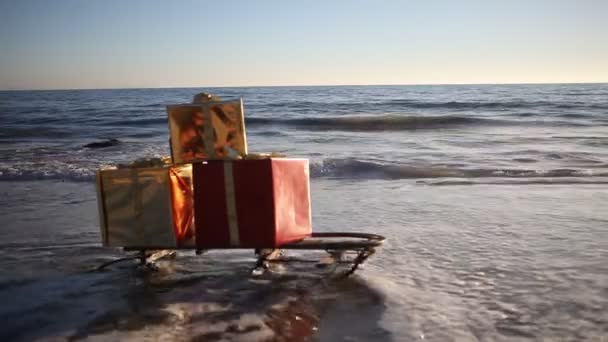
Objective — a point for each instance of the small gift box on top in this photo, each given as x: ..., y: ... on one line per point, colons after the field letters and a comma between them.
x: 207, y: 130
x: 147, y: 207
x: 251, y: 203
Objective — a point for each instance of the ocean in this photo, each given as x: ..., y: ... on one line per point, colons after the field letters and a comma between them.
x: 492, y: 198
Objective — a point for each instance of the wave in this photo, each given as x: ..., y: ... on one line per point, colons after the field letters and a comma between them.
x: 575, y: 115
x: 367, y: 123
x: 374, y: 123
x: 104, y: 143
x: 136, y: 122
x: 45, y: 173
x: 548, y: 181
x: 333, y: 168
x: 415, y: 104
x: 50, y: 131
x: 350, y: 123
x: 584, y: 93
x: 470, y: 105
x: 394, y: 122
x: 268, y: 133
x: 351, y: 168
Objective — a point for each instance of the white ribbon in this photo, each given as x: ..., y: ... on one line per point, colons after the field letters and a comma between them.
x: 138, y: 204
x: 233, y: 224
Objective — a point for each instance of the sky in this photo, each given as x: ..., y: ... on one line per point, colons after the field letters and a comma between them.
x: 72, y: 44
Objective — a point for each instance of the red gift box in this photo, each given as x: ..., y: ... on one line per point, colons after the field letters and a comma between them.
x: 261, y: 203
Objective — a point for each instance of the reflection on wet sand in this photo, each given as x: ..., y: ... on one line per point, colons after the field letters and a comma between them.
x: 191, y: 298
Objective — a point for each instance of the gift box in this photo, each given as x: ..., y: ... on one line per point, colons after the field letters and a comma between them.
x: 146, y: 207
x: 209, y: 130
x: 261, y: 203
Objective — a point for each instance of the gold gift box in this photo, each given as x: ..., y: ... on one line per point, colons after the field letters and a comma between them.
x: 146, y: 207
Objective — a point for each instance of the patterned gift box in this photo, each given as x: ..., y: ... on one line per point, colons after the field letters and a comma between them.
x: 209, y: 130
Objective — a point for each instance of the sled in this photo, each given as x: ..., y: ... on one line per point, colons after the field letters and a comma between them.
x: 350, y: 249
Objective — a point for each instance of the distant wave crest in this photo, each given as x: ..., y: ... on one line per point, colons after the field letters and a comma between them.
x: 137, y: 122
x: 417, y: 104
x: 373, y: 123
x: 393, y: 122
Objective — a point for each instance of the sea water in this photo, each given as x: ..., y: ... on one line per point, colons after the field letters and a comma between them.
x: 492, y: 197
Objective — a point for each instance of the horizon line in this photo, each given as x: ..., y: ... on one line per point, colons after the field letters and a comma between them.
x: 303, y: 85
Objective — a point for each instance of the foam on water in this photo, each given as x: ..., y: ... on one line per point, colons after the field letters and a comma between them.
x: 347, y: 168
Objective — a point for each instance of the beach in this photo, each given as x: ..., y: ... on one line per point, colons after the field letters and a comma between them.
x: 492, y: 199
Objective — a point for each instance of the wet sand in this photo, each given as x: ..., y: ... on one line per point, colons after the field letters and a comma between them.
x: 50, y: 290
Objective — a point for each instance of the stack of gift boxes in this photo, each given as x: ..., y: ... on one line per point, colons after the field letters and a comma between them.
x: 211, y: 194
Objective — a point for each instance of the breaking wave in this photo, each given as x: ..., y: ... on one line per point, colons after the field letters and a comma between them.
x: 358, y: 169
x: 65, y: 173
x: 348, y: 168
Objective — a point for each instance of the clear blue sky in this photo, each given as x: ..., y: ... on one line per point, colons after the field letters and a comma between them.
x: 131, y: 43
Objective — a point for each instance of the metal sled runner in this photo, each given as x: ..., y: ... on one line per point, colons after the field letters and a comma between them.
x: 342, y: 248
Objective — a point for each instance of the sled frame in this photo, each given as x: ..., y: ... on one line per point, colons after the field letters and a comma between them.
x: 337, y: 244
